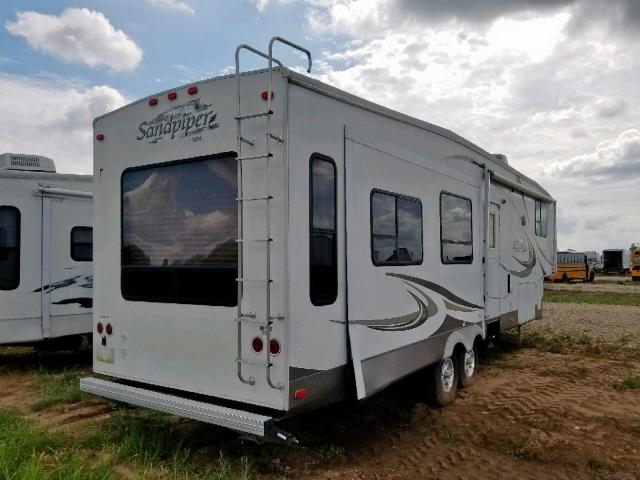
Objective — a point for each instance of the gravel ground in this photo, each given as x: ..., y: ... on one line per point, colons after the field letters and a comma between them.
x: 610, y: 324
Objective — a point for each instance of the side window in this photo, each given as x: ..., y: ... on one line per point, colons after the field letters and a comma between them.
x: 82, y: 244
x: 492, y: 230
x: 541, y: 218
x: 456, y: 231
x: 323, y: 258
x: 396, y: 229
x: 9, y: 248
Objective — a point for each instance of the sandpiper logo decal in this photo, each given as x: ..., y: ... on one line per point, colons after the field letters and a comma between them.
x: 182, y: 121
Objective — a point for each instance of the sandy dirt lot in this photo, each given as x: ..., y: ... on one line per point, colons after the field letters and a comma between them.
x: 552, y: 408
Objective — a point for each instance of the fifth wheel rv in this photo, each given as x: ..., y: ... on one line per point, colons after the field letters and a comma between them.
x: 267, y: 244
x: 45, y: 253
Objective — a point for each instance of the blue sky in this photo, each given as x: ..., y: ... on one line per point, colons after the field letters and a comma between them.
x: 178, y: 46
x: 553, y: 84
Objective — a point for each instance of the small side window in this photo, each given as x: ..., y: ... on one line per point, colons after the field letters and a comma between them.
x: 396, y: 229
x: 492, y: 230
x: 82, y: 244
x: 323, y: 257
x: 541, y: 218
x: 9, y: 248
x: 456, y: 229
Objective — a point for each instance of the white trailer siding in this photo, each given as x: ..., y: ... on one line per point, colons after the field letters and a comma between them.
x: 54, y: 295
x: 388, y: 154
x: 188, y: 347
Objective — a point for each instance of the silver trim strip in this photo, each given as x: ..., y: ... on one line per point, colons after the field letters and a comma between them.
x: 237, y: 420
x: 520, y: 188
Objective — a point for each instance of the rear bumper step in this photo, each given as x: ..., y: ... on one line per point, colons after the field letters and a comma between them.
x: 241, y: 421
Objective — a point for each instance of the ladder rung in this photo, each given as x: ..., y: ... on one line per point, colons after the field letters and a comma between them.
x: 253, y: 362
x: 248, y: 141
x: 253, y: 240
x: 245, y: 280
x: 253, y: 199
x: 254, y: 115
x: 254, y: 157
x: 254, y: 322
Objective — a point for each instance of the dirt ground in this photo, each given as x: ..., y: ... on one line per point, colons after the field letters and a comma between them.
x: 551, y: 408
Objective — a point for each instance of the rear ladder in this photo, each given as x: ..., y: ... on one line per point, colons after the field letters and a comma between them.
x: 267, y: 197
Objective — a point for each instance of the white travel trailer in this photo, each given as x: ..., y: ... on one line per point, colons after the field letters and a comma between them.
x: 45, y: 253
x: 267, y: 244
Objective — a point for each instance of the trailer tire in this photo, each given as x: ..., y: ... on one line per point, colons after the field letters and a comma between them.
x: 592, y: 277
x: 468, y: 362
x: 565, y: 279
x: 443, y: 382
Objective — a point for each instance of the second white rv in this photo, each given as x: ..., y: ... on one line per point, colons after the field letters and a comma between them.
x: 46, y: 230
x: 267, y: 244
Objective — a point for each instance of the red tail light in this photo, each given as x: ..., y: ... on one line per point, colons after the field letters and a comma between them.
x: 100, y: 328
x: 109, y: 329
x: 192, y: 90
x: 300, y: 394
x: 100, y: 137
x: 274, y: 346
x: 153, y: 102
x: 257, y: 344
x: 172, y: 96
x: 265, y: 95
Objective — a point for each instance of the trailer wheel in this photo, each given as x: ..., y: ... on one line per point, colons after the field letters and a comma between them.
x: 468, y: 362
x: 565, y: 279
x: 443, y: 383
x: 592, y: 277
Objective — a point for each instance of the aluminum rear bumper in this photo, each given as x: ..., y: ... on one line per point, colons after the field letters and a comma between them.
x: 238, y: 420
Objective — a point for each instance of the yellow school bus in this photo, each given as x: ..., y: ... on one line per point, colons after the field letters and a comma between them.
x: 572, y: 266
x: 635, y: 265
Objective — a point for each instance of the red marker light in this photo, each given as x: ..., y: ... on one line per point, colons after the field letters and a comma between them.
x: 109, y: 329
x: 274, y: 346
x: 100, y: 328
x: 257, y: 344
x: 100, y: 137
x: 153, y: 102
x: 192, y: 90
x: 265, y: 95
x: 300, y: 394
x: 172, y: 96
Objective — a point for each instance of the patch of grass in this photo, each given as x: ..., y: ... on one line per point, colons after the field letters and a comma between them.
x: 56, y: 388
x: 526, y: 452
x: 544, y: 424
x: 632, y: 382
x: 144, y: 435
x: 28, y: 453
x: 328, y: 451
x: 579, y: 373
x: 596, y: 464
x: 149, y: 442
x: 601, y: 298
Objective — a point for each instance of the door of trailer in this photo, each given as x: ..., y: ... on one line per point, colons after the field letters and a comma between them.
x: 67, y: 280
x: 398, y: 288
x: 496, y: 273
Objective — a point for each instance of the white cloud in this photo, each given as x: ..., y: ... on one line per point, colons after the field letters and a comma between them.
x: 172, y: 5
x: 263, y: 4
x: 542, y: 81
x: 614, y: 160
x: 77, y: 35
x: 53, y: 118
